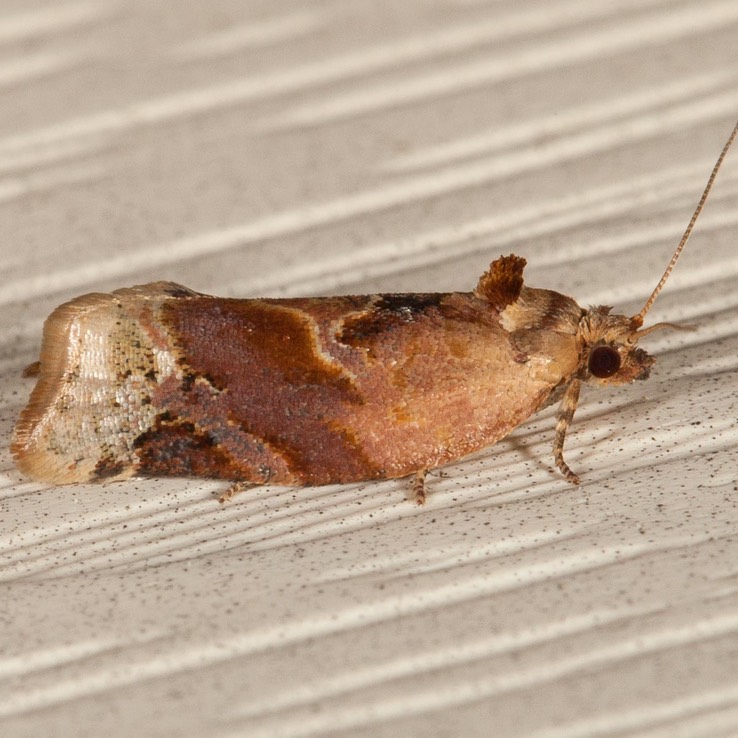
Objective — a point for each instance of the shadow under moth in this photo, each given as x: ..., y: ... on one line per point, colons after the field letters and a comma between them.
x: 158, y: 380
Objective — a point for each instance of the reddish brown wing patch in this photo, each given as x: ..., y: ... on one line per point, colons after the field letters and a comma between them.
x: 240, y: 337
x: 501, y: 284
x: 258, y: 385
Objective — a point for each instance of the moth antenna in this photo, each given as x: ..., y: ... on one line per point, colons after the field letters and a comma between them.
x: 637, y: 320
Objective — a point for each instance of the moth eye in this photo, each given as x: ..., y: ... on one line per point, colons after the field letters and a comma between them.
x: 604, y: 361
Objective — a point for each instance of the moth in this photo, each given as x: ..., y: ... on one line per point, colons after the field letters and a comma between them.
x: 159, y: 380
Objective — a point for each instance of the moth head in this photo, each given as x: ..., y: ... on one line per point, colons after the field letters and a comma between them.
x: 609, y: 348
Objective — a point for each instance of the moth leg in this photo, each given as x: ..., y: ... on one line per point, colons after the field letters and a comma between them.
x: 233, y: 490
x: 241, y: 485
x: 564, y: 417
x: 419, y: 486
x: 32, y: 370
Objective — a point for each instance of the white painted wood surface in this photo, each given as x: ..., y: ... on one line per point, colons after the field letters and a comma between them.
x: 283, y: 148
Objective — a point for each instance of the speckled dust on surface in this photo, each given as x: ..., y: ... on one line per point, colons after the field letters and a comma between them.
x: 284, y: 149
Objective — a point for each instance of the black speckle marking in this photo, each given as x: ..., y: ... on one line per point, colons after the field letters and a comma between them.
x: 409, y: 305
x: 386, y: 314
x: 107, y: 468
x: 178, y: 290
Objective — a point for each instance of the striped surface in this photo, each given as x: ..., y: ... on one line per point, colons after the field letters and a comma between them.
x: 284, y: 148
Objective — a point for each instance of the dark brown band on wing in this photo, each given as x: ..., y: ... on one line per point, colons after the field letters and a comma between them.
x: 255, y: 373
